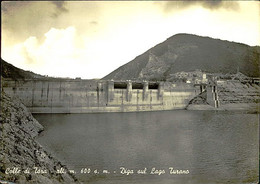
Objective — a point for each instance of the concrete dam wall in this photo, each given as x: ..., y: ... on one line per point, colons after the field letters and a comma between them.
x: 90, y: 96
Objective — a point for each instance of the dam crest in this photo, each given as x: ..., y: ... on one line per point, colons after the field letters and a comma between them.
x: 92, y: 96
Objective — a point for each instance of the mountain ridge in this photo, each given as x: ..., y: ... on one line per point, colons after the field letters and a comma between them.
x: 188, y: 52
x: 10, y: 71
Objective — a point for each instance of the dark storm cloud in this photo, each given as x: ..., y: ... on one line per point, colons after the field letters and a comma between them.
x: 22, y: 19
x: 60, y: 8
x: 8, y: 7
x: 212, y: 5
x: 221, y: 4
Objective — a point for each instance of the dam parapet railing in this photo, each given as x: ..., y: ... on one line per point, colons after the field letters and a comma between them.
x: 91, y: 96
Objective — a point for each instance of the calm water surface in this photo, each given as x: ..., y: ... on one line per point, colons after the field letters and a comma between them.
x: 215, y: 147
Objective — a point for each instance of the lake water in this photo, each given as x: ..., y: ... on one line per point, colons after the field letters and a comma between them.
x: 204, y: 146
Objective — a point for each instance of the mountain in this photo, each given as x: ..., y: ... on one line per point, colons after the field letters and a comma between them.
x: 186, y: 52
x: 10, y: 71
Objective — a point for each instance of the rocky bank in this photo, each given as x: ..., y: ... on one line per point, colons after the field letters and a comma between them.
x: 20, y: 150
x: 232, y: 95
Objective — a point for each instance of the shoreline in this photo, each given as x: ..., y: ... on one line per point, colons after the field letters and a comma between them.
x: 250, y: 107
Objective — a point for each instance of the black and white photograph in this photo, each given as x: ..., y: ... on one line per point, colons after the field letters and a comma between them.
x: 130, y: 92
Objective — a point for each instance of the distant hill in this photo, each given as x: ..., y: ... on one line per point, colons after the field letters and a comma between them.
x: 185, y: 52
x: 10, y: 71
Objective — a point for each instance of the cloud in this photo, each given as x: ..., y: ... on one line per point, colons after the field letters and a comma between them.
x: 28, y: 50
x: 93, y: 22
x: 60, y: 5
x: 59, y: 43
x: 212, y: 5
x: 9, y: 7
x: 58, y: 50
x: 26, y: 55
x: 60, y: 8
x: 21, y: 20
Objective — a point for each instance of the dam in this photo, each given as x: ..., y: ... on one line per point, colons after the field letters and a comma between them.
x: 91, y: 96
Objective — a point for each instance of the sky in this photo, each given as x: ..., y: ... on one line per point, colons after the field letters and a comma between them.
x: 90, y: 39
